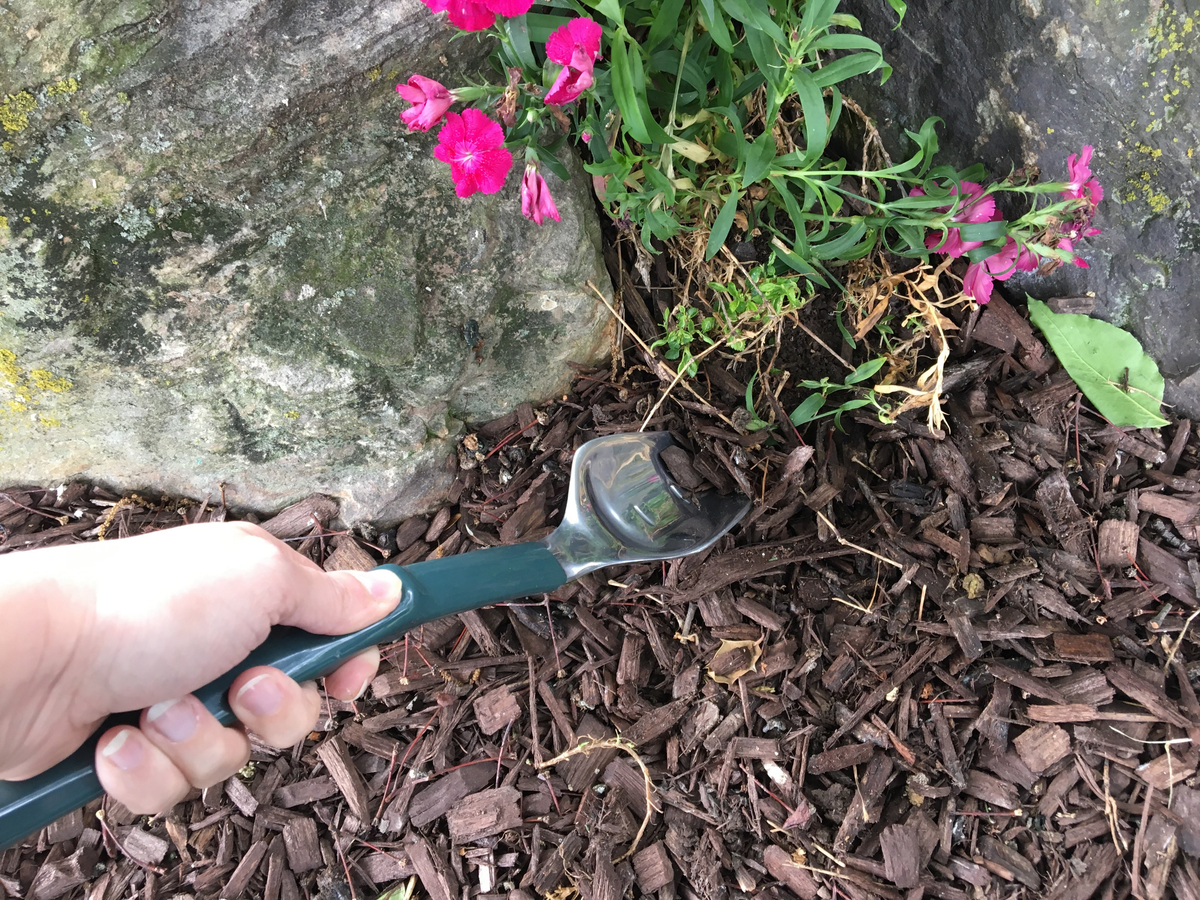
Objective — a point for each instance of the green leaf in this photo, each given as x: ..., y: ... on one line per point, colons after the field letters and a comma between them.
x: 900, y: 8
x: 766, y: 55
x: 807, y: 411
x: 666, y: 24
x: 714, y: 24
x: 983, y: 231
x: 721, y: 226
x: 817, y: 15
x: 845, y: 246
x: 987, y: 251
x: 866, y: 370
x: 845, y: 42
x: 750, y: 394
x: 1107, y: 363
x: 610, y: 8
x: 541, y: 26
x: 551, y: 162
x: 629, y: 90
x: 759, y: 157
x: 518, y: 35
x: 755, y: 17
x: 847, y: 67
x: 813, y: 106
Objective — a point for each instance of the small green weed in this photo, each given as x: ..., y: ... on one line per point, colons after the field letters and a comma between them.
x: 814, y: 406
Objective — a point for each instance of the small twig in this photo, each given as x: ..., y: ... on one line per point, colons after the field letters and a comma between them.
x: 1179, y: 640
x: 845, y: 543
x: 616, y: 743
x: 500, y: 755
x: 1139, y: 843
x: 61, y: 520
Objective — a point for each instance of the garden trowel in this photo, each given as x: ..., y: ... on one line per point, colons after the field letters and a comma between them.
x: 622, y: 507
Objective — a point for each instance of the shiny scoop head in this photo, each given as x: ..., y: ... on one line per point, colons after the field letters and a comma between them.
x: 622, y: 507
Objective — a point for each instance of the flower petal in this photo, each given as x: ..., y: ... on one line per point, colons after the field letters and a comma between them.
x: 493, y: 169
x: 509, y: 8
x: 977, y: 284
x: 469, y: 15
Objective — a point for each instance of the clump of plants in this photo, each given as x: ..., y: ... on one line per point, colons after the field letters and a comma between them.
x: 699, y: 117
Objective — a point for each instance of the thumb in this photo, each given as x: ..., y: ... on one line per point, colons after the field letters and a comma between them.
x: 342, y: 602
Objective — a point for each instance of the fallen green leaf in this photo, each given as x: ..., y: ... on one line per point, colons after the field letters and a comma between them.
x: 1108, y: 364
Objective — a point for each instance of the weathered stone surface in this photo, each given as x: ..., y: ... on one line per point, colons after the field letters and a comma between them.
x: 224, y: 261
x: 1027, y: 82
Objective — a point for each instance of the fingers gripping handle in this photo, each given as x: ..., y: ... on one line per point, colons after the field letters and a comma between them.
x: 432, y: 589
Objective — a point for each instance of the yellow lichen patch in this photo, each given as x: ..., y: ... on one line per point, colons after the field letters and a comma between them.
x: 15, y: 110
x: 373, y: 74
x: 292, y: 414
x: 26, y: 389
x: 3, y: 223
x: 63, y: 86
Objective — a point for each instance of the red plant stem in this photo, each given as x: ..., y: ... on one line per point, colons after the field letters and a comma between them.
x: 513, y: 436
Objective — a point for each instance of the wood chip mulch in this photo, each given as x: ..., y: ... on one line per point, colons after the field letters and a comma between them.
x: 951, y: 664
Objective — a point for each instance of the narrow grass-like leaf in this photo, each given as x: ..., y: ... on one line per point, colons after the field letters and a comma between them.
x: 813, y: 106
x: 517, y: 29
x: 721, y: 226
x: 866, y: 370
x: 714, y: 23
x: 847, y: 67
x: 1108, y: 364
x: 807, y: 411
x: 666, y: 24
x: 754, y: 16
x: 759, y: 157
x: 983, y: 231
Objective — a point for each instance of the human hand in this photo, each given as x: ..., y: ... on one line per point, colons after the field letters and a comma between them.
x: 94, y: 629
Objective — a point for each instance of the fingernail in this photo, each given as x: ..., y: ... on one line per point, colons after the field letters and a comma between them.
x: 122, y: 752
x: 173, y: 719
x: 362, y: 690
x: 261, y: 696
x: 383, y: 585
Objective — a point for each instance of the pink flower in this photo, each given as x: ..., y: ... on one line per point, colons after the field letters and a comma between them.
x: 1082, y: 185
x: 472, y: 145
x: 1068, y: 244
x: 536, y: 202
x: 470, y: 15
x: 429, y: 100
x: 977, y: 283
x: 575, y: 47
x: 977, y: 207
x: 1027, y: 260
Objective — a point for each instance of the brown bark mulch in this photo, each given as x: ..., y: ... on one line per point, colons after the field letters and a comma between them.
x: 954, y: 664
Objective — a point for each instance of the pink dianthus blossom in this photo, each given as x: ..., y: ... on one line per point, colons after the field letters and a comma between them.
x: 977, y: 207
x: 1082, y: 185
x: 472, y: 145
x: 575, y: 47
x: 430, y: 100
x: 977, y: 282
x: 536, y: 202
x: 470, y: 15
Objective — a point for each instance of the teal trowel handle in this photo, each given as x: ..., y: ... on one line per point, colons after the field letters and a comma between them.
x: 432, y: 589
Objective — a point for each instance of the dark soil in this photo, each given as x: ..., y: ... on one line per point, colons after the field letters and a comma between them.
x: 955, y: 663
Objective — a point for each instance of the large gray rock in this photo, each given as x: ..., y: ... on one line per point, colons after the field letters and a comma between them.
x: 1026, y: 82
x: 224, y: 261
